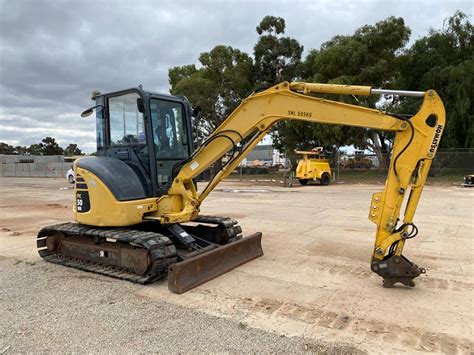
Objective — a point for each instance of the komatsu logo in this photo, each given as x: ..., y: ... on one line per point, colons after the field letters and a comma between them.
x: 435, y: 142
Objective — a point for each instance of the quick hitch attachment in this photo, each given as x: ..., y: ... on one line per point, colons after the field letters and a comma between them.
x: 395, y: 268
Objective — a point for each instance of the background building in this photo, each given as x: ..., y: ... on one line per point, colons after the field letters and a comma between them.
x: 265, y: 155
x: 35, y: 165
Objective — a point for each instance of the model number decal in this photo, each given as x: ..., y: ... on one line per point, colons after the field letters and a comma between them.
x: 300, y: 113
x: 435, y: 142
x: 83, y: 203
x: 79, y: 203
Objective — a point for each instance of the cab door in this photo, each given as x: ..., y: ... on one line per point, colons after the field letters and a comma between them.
x: 171, y: 138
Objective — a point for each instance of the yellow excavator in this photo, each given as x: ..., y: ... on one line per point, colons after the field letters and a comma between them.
x: 137, y: 202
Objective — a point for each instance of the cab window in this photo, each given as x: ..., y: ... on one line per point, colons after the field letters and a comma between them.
x: 126, y: 122
x: 169, y: 136
x: 99, y: 123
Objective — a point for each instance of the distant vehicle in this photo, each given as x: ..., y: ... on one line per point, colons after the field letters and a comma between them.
x: 359, y: 161
x: 313, y: 168
x: 468, y: 181
x: 70, y: 176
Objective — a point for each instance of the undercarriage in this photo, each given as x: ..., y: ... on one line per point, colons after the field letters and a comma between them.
x: 191, y: 253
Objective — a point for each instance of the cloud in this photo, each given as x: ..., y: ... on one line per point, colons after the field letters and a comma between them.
x: 54, y: 53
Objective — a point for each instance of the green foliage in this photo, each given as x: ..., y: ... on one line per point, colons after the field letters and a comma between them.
x: 374, y: 55
x: 276, y: 57
x: 71, y: 150
x: 49, y: 146
x: 35, y: 149
x: 443, y: 61
x: 21, y: 150
x: 368, y: 57
x: 177, y: 73
x: 271, y: 24
x: 6, y: 148
x: 224, y: 79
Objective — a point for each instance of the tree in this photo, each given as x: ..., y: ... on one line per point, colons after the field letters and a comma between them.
x: 374, y: 55
x: 443, y: 60
x: 224, y: 79
x: 35, y: 149
x: 21, y: 150
x: 368, y: 57
x: 72, y: 149
x: 48, y: 146
x: 11, y: 150
x: 6, y: 149
x: 276, y: 57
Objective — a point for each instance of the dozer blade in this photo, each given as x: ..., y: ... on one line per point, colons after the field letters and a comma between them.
x: 197, y: 270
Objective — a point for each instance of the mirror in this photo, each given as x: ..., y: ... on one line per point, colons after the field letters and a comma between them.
x: 89, y: 111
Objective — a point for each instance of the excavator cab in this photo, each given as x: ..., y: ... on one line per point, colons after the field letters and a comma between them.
x: 149, y: 132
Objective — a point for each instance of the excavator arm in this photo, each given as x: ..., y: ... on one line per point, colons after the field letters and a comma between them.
x: 414, y: 148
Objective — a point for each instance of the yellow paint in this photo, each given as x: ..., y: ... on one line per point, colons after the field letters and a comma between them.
x: 105, y: 210
x: 339, y: 89
x: 312, y: 168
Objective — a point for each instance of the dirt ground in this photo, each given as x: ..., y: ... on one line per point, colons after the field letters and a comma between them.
x: 314, y: 280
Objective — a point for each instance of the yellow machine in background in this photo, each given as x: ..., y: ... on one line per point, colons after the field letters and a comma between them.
x: 315, y: 168
x: 359, y: 161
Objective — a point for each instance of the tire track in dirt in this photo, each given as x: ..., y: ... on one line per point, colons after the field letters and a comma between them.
x: 409, y: 337
x: 365, y: 273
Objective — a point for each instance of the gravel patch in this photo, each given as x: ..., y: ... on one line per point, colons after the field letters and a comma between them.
x: 50, y: 309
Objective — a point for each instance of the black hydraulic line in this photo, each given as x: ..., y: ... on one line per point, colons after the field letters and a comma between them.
x: 405, y: 147
x: 230, y: 161
x: 178, y: 165
x: 412, y: 234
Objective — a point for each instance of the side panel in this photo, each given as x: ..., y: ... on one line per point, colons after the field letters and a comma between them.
x: 120, y: 178
x: 103, y: 208
x: 312, y: 169
x: 319, y: 168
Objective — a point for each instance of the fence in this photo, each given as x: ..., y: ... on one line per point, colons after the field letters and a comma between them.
x: 33, y: 166
x: 447, y: 161
x: 454, y: 160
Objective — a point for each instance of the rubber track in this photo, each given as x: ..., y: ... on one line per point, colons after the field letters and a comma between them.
x: 231, y: 225
x: 161, y: 249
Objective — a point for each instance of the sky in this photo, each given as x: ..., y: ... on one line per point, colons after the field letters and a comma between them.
x: 54, y: 53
